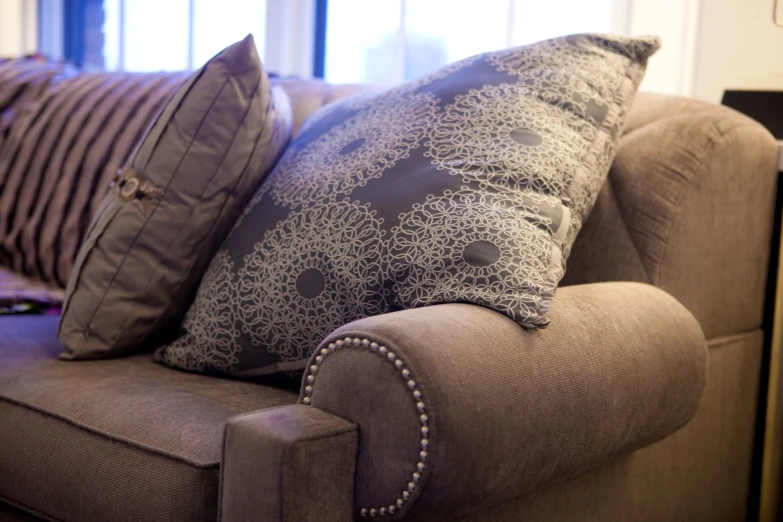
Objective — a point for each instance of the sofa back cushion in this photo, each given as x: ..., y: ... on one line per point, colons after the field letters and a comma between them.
x: 689, y: 207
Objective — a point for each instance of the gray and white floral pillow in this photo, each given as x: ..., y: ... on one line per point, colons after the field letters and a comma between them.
x: 467, y: 185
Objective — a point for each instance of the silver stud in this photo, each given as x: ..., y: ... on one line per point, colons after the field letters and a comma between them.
x: 310, y: 379
x: 319, y: 359
x: 405, y: 373
x: 425, y: 431
x: 398, y: 364
x: 339, y: 343
x: 406, y: 495
x: 306, y: 400
x: 365, y: 343
x: 373, y: 512
x: 411, y: 486
x: 391, y: 356
x: 392, y: 509
x: 400, y: 503
x: 423, y: 455
x: 313, y: 369
x: 420, y: 406
x: 374, y: 347
x: 416, y: 476
x: 411, y: 383
x: 382, y: 350
x: 417, y: 395
x: 363, y: 513
x: 423, y: 419
x: 420, y: 466
x: 308, y: 389
x: 348, y: 341
x: 382, y: 511
x: 425, y: 443
x: 357, y: 341
x: 332, y: 347
x: 325, y: 351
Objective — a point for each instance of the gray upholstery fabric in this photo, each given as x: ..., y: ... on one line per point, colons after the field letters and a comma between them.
x: 688, y: 207
x: 173, y: 204
x: 621, y: 366
x: 701, y: 473
x: 301, y: 458
x: 466, y: 185
x: 119, y: 440
x: 307, y: 96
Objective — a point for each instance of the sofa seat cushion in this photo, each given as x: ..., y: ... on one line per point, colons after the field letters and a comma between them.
x: 117, y: 440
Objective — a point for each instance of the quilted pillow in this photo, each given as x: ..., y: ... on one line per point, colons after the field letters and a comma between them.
x: 468, y: 185
x: 172, y: 205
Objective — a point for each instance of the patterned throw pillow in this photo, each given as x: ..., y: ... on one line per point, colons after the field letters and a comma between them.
x: 172, y: 205
x: 468, y: 185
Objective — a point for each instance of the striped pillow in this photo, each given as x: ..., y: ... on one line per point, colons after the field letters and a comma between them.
x: 60, y: 157
x: 21, y: 81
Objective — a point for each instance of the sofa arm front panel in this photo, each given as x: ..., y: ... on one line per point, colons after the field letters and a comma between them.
x: 459, y: 408
x: 287, y: 464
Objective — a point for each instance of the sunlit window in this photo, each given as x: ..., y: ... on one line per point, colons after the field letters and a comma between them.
x: 390, y: 41
x: 159, y: 35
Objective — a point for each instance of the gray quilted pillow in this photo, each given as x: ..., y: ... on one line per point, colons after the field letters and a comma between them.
x: 468, y: 185
x: 172, y: 205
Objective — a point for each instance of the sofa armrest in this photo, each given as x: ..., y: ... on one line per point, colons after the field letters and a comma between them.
x: 459, y: 408
x: 287, y: 464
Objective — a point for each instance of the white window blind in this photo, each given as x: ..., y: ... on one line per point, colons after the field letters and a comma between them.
x: 155, y: 35
x: 390, y: 41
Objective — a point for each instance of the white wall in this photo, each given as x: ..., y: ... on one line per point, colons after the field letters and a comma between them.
x: 670, y: 70
x: 708, y: 45
x: 18, y: 27
x: 739, y: 46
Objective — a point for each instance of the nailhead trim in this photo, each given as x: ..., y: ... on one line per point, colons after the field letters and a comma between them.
x: 412, y: 386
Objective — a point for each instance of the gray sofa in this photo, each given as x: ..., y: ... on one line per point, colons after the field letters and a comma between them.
x: 638, y: 402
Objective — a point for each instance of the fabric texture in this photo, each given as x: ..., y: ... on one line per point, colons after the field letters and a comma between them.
x: 118, y: 440
x: 302, y: 459
x: 22, y: 81
x: 468, y: 185
x: 172, y: 205
x: 67, y: 137
x: 692, y: 182
x: 702, y: 472
x: 622, y: 366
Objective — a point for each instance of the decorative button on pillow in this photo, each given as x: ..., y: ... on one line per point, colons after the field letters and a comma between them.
x: 172, y: 205
x: 468, y: 185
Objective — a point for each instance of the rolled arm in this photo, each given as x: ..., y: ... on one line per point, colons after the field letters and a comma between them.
x: 459, y: 408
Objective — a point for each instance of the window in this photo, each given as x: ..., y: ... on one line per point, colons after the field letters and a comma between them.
x: 156, y: 35
x: 375, y: 41
x: 390, y: 41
